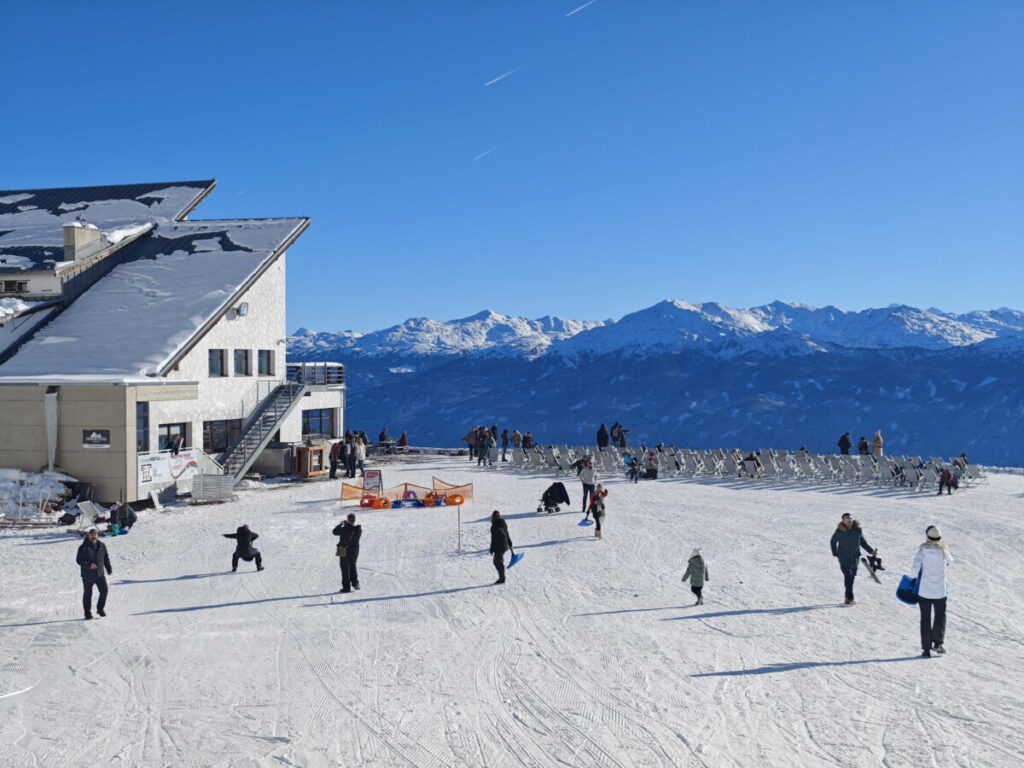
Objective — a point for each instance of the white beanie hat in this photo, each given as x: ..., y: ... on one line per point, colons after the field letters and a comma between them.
x: 695, y: 553
x: 933, y: 533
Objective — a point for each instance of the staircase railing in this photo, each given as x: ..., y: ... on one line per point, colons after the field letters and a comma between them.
x: 264, y: 423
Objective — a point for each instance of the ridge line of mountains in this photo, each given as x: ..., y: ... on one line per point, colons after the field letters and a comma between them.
x: 776, y: 376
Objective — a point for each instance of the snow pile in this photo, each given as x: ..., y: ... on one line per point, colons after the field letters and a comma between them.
x: 12, y: 306
x: 592, y: 654
x: 23, y: 493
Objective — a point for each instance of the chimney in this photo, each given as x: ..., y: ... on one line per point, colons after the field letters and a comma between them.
x: 81, y: 240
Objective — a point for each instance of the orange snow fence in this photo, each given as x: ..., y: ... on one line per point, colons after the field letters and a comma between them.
x: 407, y: 492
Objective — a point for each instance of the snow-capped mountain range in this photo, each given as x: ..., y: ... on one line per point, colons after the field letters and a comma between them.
x: 700, y: 375
x: 670, y: 325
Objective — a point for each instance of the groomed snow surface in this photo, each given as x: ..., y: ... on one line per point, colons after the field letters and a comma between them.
x: 592, y: 654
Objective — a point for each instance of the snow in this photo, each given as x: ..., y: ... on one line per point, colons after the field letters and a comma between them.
x: 591, y: 655
x: 11, y: 306
x: 34, y: 225
x: 18, y: 262
x: 164, y: 298
x: 115, y: 236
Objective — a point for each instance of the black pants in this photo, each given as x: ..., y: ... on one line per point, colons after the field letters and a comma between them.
x: 697, y: 590
x: 932, y: 632
x: 334, y: 468
x: 499, y: 565
x: 248, y: 558
x: 349, y: 574
x: 597, y: 521
x: 588, y: 493
x: 849, y: 574
x: 100, y: 581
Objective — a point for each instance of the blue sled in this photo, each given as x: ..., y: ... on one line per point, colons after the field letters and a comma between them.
x: 585, y: 521
x: 515, y: 559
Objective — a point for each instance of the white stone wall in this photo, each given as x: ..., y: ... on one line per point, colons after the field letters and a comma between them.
x: 291, y: 429
x: 230, y: 397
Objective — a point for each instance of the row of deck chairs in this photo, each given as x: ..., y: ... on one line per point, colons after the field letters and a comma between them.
x: 911, y: 472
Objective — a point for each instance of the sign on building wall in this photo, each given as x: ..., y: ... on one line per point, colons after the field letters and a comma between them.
x: 163, y: 468
x: 95, y: 438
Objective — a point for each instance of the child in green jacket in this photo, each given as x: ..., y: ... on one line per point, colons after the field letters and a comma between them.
x: 697, y: 573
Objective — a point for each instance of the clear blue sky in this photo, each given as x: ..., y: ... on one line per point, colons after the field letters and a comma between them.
x: 848, y: 153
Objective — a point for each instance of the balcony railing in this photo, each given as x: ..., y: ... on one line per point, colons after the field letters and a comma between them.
x: 324, y: 374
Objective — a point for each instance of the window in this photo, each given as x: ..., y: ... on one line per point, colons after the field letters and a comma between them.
x: 142, y: 427
x: 15, y: 286
x: 166, y: 431
x: 218, y: 436
x: 218, y: 365
x: 318, y: 421
x: 266, y: 362
x: 243, y: 362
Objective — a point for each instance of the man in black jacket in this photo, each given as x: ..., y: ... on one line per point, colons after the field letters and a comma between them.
x: 93, y: 560
x: 243, y: 547
x: 348, y: 534
x: 846, y: 543
x: 501, y: 542
x: 844, y: 444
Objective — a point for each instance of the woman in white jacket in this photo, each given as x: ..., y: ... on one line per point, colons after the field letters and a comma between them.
x: 930, y: 562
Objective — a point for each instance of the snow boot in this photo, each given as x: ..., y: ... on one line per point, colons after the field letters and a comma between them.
x: 101, y: 612
x: 926, y: 654
x: 259, y: 568
x: 700, y: 601
x: 88, y: 616
x: 939, y: 649
x: 344, y: 591
x: 597, y: 534
x: 500, y: 581
x: 355, y: 587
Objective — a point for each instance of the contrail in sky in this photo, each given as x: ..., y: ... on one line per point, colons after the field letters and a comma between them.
x: 591, y: 2
x: 502, y: 77
x: 485, y: 153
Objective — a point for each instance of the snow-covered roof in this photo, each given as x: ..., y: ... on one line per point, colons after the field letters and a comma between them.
x: 167, y: 286
x: 36, y: 216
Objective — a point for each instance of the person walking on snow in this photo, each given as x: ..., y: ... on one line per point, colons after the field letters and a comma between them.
x: 846, y: 543
x: 597, y: 508
x: 501, y: 543
x: 697, y: 573
x: 93, y: 560
x: 348, y: 534
x: 877, y: 443
x: 602, y: 438
x: 244, y: 550
x: 863, y: 447
x: 844, y: 444
x: 930, y: 562
x: 588, y: 477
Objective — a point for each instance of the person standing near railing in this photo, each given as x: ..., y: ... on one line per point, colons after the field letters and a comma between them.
x: 359, y: 457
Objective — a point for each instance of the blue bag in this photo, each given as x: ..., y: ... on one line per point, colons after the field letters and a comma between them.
x: 906, y: 592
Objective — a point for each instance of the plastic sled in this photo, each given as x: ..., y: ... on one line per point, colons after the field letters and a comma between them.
x: 585, y: 521
x: 515, y: 559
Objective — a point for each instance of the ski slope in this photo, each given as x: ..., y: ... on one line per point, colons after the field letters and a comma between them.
x: 592, y: 654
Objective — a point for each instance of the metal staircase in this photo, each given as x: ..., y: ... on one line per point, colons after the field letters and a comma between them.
x: 261, y: 427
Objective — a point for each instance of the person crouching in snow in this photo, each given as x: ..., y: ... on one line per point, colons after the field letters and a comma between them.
x: 244, y: 549
x: 597, y: 507
x: 697, y: 573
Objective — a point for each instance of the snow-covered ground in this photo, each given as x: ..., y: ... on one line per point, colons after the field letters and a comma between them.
x: 592, y: 654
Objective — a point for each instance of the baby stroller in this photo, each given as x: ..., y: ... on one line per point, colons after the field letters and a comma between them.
x: 552, y: 497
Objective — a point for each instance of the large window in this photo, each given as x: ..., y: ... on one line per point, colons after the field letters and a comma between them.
x: 142, y: 427
x: 266, y: 362
x: 218, y: 435
x: 218, y: 363
x: 318, y: 421
x: 243, y: 362
x: 15, y: 286
x: 166, y: 431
